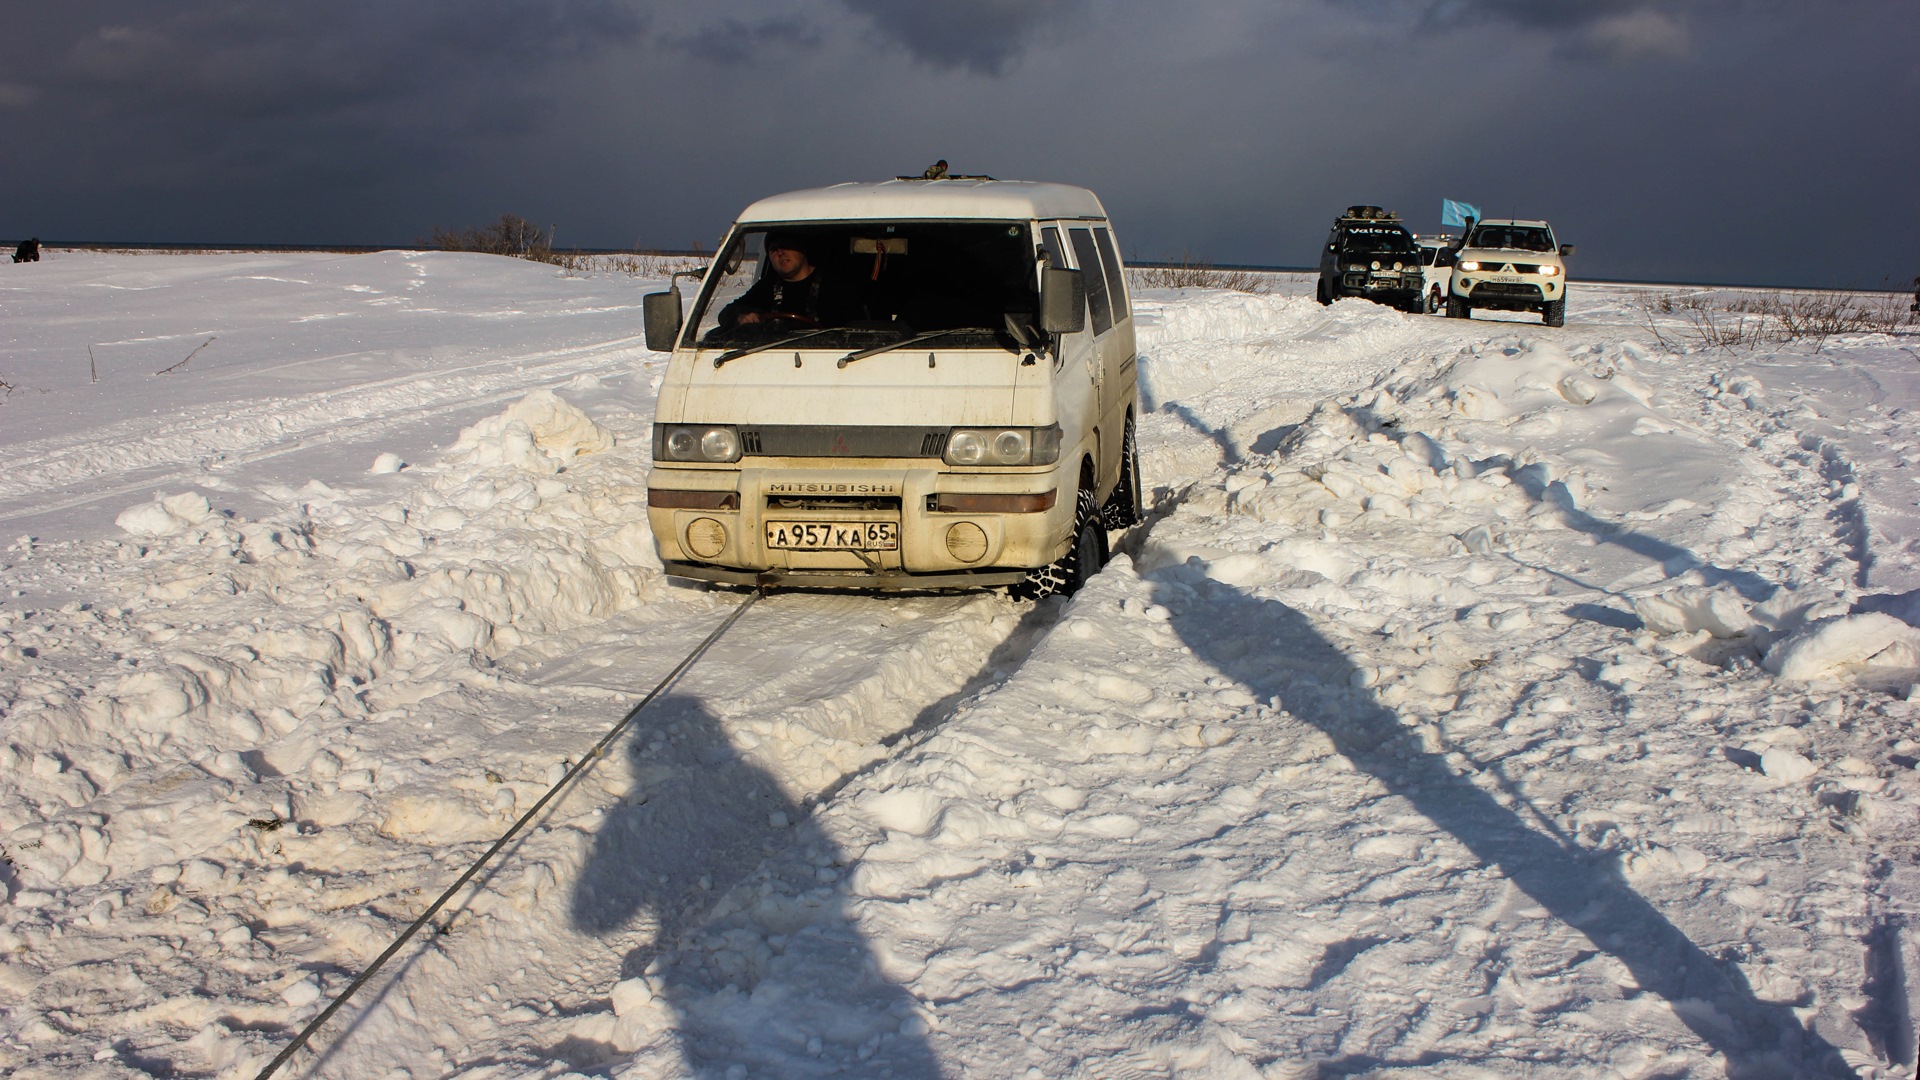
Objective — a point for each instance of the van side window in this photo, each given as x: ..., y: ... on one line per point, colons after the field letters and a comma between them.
x: 1088, y: 258
x: 1116, y: 284
x: 1056, y: 248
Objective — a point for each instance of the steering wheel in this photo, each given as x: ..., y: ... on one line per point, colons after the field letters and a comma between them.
x: 789, y: 318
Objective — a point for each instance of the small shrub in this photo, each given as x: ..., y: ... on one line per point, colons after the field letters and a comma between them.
x: 1190, y: 273
x: 642, y: 264
x: 1750, y: 320
x: 511, y: 235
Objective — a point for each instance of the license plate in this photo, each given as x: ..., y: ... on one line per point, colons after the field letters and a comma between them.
x: 1511, y: 279
x: 833, y: 535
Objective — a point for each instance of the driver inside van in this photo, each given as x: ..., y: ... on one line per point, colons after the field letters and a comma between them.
x: 793, y: 292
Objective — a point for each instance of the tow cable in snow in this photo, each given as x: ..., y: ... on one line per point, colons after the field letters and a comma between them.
x: 586, y: 760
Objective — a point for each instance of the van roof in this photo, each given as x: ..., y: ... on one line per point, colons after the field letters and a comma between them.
x: 994, y: 200
x: 1513, y: 221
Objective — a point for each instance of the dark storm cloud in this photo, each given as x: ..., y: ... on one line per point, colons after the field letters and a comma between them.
x: 736, y: 41
x: 226, y: 59
x: 1612, y: 30
x: 984, y: 36
x: 1594, y: 29
x: 1705, y: 140
x: 166, y: 118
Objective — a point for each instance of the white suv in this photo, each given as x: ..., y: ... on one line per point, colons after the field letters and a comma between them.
x: 1436, y: 270
x: 1510, y: 265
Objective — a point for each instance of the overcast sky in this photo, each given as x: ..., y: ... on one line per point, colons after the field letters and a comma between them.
x: 1762, y: 141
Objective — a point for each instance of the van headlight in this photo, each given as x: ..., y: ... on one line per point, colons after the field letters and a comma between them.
x: 695, y: 442
x: 1003, y: 446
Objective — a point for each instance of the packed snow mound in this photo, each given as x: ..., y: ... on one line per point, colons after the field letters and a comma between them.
x: 341, y: 605
x: 1830, y: 647
x: 166, y: 515
x: 541, y: 432
x: 1719, y: 612
x: 1530, y: 375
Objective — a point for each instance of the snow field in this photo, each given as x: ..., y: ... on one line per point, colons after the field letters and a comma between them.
x: 1480, y: 699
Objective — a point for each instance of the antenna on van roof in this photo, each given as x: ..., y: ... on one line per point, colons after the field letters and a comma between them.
x: 938, y: 171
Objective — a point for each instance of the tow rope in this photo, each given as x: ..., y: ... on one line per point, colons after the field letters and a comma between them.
x: 586, y: 760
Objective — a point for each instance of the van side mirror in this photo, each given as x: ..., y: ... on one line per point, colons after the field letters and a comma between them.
x: 1566, y: 250
x: 660, y: 313
x: 1063, y: 300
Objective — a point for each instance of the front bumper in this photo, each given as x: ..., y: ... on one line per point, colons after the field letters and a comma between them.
x: 1515, y: 292
x: 830, y: 579
x: 1367, y: 283
x: 936, y: 547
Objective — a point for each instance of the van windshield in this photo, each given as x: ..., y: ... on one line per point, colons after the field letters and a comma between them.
x: 864, y: 283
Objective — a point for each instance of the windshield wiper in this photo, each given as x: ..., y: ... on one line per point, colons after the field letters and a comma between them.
x: 736, y: 354
x: 878, y: 349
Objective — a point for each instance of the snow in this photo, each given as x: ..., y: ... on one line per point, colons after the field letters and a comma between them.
x: 1480, y: 700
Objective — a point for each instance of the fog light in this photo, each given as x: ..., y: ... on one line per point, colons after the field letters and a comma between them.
x: 706, y: 537
x: 967, y: 542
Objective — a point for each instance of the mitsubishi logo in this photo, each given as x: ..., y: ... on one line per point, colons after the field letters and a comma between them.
x: 840, y: 447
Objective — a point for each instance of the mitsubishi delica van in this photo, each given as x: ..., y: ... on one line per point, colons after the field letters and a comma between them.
x: 907, y: 384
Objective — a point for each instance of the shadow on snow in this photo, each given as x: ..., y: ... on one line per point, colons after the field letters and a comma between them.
x: 1311, y: 679
x: 770, y: 975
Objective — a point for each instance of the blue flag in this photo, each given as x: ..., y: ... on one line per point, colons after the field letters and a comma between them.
x: 1457, y: 213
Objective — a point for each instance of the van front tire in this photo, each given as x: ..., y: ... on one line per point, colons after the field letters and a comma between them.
x: 1084, y: 558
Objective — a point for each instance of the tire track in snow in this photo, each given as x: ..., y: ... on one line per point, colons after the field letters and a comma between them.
x: 60, y: 474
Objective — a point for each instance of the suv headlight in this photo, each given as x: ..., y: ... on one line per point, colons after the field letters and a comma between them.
x: 1466, y: 264
x: 1549, y: 271
x: 1003, y: 446
x: 695, y: 442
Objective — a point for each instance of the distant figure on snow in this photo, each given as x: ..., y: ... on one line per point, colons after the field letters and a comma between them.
x: 1916, y: 294
x: 28, y: 251
x: 936, y: 171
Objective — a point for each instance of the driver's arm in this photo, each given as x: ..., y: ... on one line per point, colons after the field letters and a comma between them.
x: 749, y: 307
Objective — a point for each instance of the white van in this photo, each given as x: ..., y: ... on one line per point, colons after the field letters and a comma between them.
x: 908, y: 384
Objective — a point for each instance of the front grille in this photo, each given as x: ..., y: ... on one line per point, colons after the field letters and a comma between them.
x: 821, y: 440
x: 887, y: 503
x: 1503, y: 288
x: 1526, y: 268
